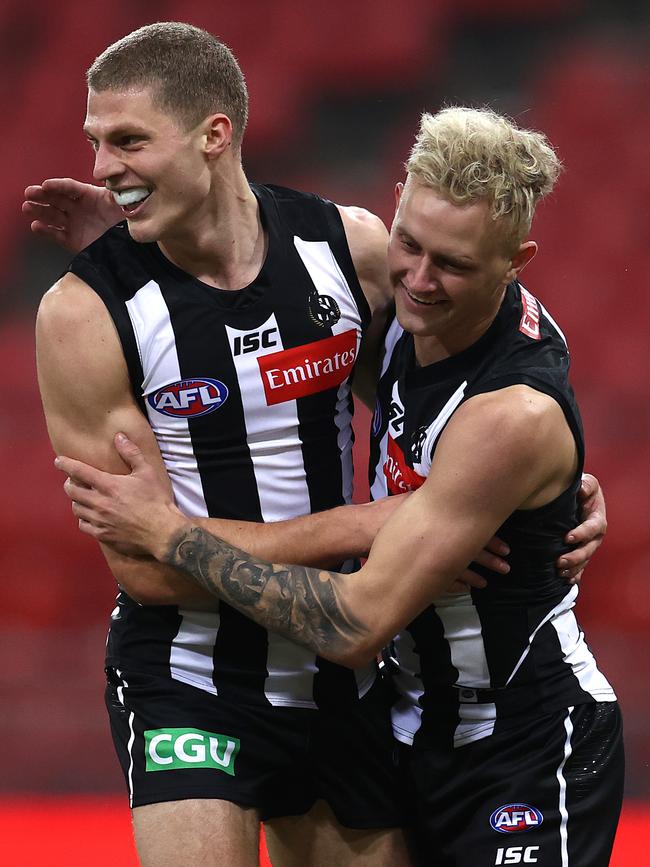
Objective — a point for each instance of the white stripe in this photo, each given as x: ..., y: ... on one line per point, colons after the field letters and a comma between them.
x: 464, y: 634
x: 393, y: 335
x: 577, y: 654
x: 327, y: 277
x: 406, y: 713
x: 564, y: 605
x: 379, y: 486
x: 564, y: 816
x: 477, y: 721
x: 129, y: 746
x: 271, y: 432
x: 157, y: 346
x: 435, y: 429
x: 190, y: 657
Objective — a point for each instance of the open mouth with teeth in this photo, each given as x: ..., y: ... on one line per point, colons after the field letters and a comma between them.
x: 130, y: 200
x: 420, y: 300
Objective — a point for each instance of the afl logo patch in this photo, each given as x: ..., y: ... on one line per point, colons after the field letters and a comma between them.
x: 323, y: 309
x: 189, y: 398
x: 513, y: 818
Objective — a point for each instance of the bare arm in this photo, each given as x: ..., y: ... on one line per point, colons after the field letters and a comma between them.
x: 87, y: 398
x: 476, y: 481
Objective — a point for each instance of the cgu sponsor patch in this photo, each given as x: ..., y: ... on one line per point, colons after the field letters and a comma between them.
x: 513, y: 818
x: 173, y: 749
x: 308, y: 369
x: 189, y: 398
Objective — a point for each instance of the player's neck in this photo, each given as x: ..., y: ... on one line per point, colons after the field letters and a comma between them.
x: 225, y: 245
x: 432, y: 348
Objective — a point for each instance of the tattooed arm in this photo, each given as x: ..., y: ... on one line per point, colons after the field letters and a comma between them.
x: 501, y: 451
x: 301, y: 603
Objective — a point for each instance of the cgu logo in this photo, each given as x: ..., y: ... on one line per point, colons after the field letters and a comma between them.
x: 173, y: 749
x: 189, y: 398
x: 512, y: 818
x: 517, y: 855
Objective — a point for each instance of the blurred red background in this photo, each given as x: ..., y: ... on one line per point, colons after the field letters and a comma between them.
x: 336, y: 91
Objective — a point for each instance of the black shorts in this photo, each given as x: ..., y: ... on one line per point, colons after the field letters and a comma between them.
x: 176, y: 742
x: 547, y: 790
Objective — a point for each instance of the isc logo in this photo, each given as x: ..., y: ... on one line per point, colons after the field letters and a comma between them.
x: 254, y: 340
x: 189, y: 397
x: 517, y: 855
x: 512, y: 818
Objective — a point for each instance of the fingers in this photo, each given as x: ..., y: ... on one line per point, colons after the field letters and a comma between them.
x: 129, y: 451
x: 51, y: 196
x: 592, y: 529
x: 575, y: 560
x: 577, y: 578
x: 497, y: 546
x: 80, y: 493
x: 492, y: 561
x: 589, y: 486
x: 80, y: 472
x: 469, y: 579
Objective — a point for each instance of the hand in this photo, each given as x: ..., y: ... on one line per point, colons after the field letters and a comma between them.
x: 491, y: 557
x: 134, y: 513
x: 69, y: 212
x: 589, y: 535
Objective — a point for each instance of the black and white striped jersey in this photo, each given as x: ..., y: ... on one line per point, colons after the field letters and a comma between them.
x: 472, y: 659
x: 248, y: 395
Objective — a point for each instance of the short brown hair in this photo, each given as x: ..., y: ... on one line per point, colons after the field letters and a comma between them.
x: 191, y: 73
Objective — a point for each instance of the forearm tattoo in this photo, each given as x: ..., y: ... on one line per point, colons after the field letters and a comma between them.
x: 299, y: 602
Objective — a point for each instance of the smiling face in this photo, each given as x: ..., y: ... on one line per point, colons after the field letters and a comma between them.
x: 157, y: 170
x: 449, y: 267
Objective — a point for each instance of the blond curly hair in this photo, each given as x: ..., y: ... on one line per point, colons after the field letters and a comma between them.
x: 469, y: 154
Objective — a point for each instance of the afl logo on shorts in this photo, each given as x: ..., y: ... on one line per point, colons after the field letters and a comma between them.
x: 189, y: 398
x: 513, y: 818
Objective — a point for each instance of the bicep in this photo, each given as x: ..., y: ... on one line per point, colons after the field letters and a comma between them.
x: 84, y: 381
x: 489, y: 462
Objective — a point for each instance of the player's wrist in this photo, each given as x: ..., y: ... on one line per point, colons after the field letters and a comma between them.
x: 173, y: 526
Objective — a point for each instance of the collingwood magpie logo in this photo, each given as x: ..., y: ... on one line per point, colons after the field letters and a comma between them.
x: 323, y: 309
x: 417, y: 444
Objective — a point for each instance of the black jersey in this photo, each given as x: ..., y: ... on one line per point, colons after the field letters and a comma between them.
x: 248, y: 395
x: 516, y: 644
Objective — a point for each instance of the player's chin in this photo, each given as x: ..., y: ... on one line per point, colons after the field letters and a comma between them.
x: 143, y: 231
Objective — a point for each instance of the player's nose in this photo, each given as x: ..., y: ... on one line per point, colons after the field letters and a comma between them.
x: 107, y: 163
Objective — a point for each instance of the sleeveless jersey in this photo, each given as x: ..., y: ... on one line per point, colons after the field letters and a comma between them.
x: 471, y: 659
x: 248, y: 395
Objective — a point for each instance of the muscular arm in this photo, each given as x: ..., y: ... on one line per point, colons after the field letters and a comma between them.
x: 87, y: 398
x: 500, y: 452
